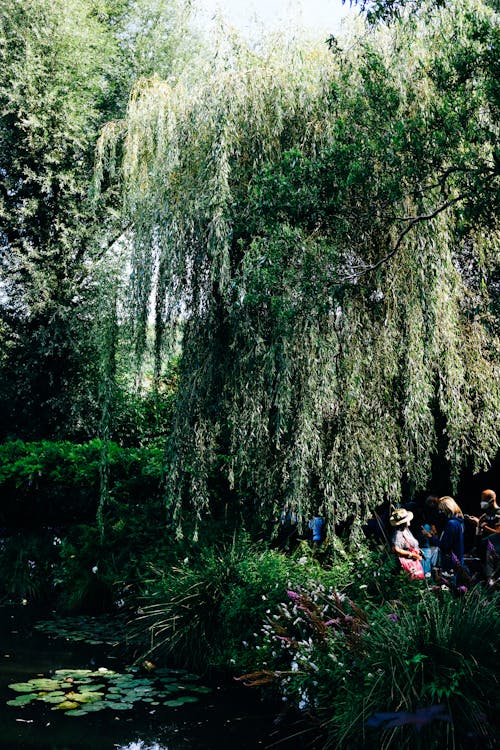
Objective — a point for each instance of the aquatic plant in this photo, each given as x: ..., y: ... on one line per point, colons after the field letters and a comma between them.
x: 81, y: 691
x: 96, y: 630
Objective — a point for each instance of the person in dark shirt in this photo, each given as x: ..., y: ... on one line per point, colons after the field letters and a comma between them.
x: 451, y: 541
x: 488, y: 529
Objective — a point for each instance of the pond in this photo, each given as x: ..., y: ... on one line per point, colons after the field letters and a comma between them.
x: 143, y: 711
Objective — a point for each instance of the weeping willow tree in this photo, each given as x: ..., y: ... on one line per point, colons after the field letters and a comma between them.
x: 323, y: 226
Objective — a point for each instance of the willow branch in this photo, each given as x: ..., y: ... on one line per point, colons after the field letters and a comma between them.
x: 412, y: 221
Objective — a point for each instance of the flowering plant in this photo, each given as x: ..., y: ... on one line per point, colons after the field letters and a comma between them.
x: 300, y: 640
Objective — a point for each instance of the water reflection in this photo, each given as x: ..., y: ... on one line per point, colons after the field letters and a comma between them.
x: 228, y: 717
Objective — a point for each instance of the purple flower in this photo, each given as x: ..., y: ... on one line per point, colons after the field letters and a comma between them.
x: 31, y: 564
x: 491, y: 548
x: 462, y: 589
x: 393, y: 616
x: 455, y: 559
x: 293, y: 595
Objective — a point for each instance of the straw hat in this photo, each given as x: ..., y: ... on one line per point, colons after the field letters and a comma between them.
x: 399, y: 516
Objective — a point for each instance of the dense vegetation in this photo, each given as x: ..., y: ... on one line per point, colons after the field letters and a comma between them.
x: 235, y: 276
x: 324, y: 224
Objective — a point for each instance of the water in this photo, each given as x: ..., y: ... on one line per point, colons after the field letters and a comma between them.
x: 230, y: 717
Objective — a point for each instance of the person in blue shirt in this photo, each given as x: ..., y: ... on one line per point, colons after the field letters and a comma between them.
x: 316, y: 525
x: 451, y: 541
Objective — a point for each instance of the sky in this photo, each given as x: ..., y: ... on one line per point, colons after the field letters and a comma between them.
x: 317, y: 16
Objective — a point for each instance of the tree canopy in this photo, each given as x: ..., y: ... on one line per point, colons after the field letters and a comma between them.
x: 325, y: 226
x: 66, y: 69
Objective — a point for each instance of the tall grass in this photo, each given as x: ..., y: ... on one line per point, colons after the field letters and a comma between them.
x: 202, y: 609
x: 440, y: 653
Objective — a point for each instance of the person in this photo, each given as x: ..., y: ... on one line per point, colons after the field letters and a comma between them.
x: 432, y: 514
x: 288, y: 533
x: 488, y: 527
x: 316, y: 525
x: 451, y: 541
x: 404, y: 544
x: 430, y: 552
x: 489, y: 521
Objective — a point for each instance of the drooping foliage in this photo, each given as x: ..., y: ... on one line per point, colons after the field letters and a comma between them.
x: 324, y: 229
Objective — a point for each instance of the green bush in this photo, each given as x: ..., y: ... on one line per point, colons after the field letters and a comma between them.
x: 206, y: 611
x: 27, y: 565
x: 437, y: 653
x: 376, y: 674
x: 52, y: 484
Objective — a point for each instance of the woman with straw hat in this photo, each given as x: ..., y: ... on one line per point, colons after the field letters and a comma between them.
x: 404, y: 544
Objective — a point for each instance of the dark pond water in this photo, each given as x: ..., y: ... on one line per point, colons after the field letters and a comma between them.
x: 229, y: 716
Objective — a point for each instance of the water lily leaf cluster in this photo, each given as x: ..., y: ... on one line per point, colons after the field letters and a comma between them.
x: 81, y: 691
x: 95, y: 630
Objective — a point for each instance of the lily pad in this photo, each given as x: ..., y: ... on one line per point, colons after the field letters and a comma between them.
x: 119, y: 706
x: 22, y: 687
x: 65, y: 705
x: 45, y: 684
x: 49, y: 698
x: 180, y: 701
x: 87, y: 697
x: 81, y: 691
x: 94, y: 706
x: 23, y: 700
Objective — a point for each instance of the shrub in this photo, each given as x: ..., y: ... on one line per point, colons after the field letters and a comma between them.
x: 207, y: 611
x: 437, y: 653
x: 373, y: 678
x: 48, y: 483
x: 27, y: 564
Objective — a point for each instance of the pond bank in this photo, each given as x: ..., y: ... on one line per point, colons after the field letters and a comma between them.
x: 227, y: 716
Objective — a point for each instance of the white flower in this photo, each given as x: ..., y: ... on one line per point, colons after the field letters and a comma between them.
x: 95, y: 569
x: 377, y: 295
x: 302, y: 561
x: 294, y: 666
